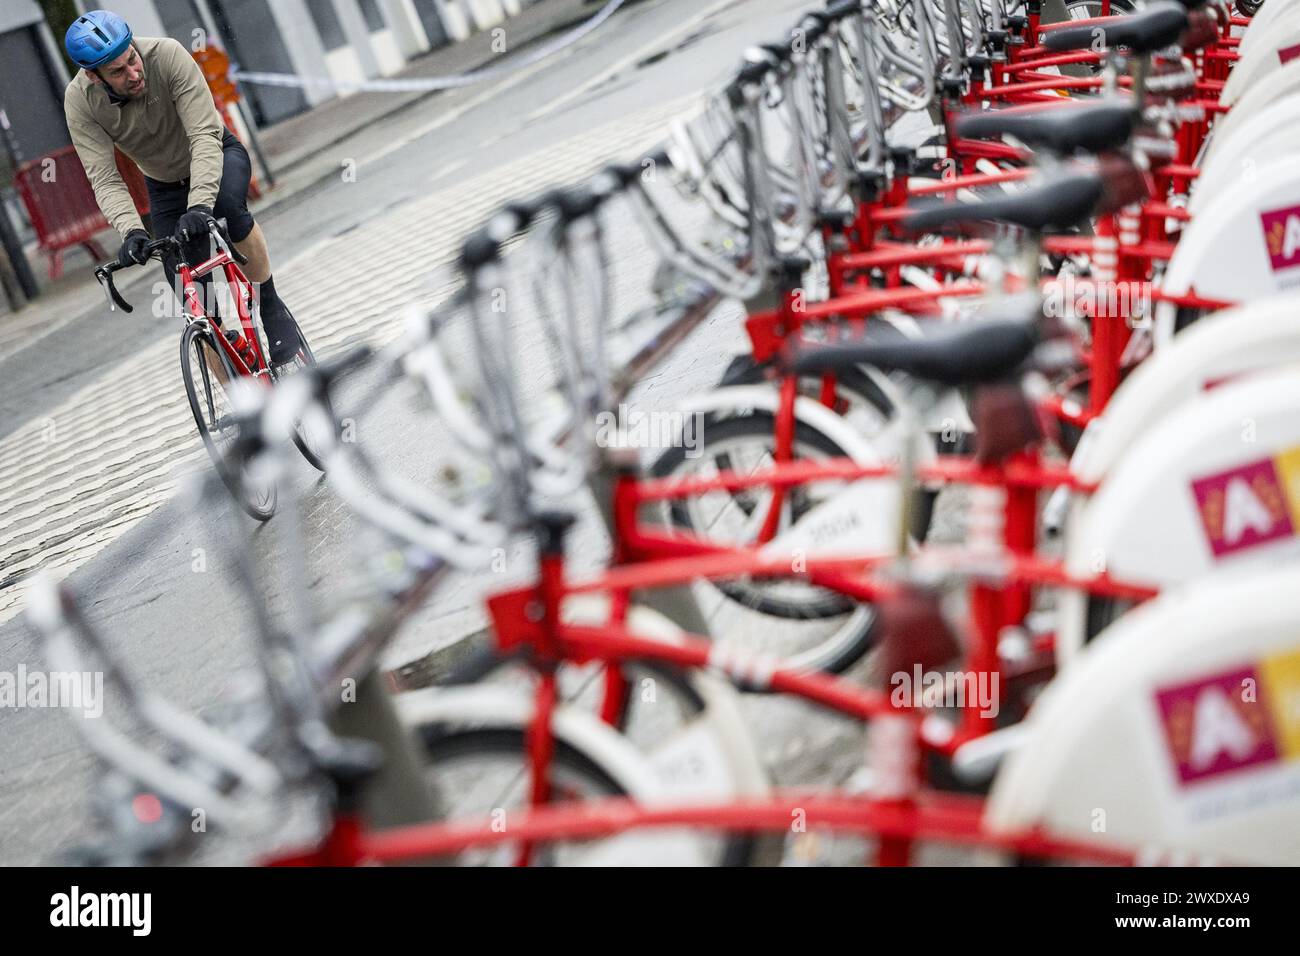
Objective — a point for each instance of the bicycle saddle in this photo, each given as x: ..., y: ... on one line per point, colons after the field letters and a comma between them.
x: 980, y: 352
x: 1092, y: 127
x: 1156, y: 27
x: 1057, y: 203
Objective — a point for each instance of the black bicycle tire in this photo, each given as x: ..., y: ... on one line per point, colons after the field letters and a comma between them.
x: 440, y: 743
x: 311, y: 457
x: 196, y: 332
x: 856, y: 382
x: 759, y: 425
x: 844, y: 650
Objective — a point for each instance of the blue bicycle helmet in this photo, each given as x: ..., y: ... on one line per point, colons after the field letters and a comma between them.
x: 97, y: 38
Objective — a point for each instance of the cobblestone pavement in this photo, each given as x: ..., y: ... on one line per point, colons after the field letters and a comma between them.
x: 105, y: 458
x: 86, y: 481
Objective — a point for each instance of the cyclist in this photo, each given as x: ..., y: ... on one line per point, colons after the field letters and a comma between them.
x: 148, y: 97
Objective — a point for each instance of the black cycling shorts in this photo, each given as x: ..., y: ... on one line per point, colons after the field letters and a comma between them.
x: 169, y: 201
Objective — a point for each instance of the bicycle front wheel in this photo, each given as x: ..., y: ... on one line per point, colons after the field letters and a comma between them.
x: 808, y: 627
x: 208, y: 375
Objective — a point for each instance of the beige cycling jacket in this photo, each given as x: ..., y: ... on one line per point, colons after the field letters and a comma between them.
x: 172, y: 131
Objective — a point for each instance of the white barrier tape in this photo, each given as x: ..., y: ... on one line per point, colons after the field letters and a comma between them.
x: 428, y: 84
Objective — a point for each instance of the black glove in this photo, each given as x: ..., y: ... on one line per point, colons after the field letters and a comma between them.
x: 132, y: 252
x: 194, y: 224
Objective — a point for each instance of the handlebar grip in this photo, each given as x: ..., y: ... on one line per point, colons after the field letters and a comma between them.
x: 484, y: 245
x: 623, y: 173
x: 781, y: 51
x: 525, y: 211
x: 104, y: 276
x: 752, y: 72
x: 478, y: 250
x: 627, y: 173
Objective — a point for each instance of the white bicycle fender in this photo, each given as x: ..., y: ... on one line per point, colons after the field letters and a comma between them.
x: 1271, y: 89
x: 1273, y: 132
x: 1244, y: 245
x: 1225, y: 346
x: 1177, y: 733
x: 1211, y: 488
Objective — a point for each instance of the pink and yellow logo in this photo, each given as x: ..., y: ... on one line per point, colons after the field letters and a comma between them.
x: 1233, y: 721
x: 1282, y: 236
x: 1251, y: 504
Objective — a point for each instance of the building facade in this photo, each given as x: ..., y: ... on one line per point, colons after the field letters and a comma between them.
x: 33, y: 75
x: 345, y: 40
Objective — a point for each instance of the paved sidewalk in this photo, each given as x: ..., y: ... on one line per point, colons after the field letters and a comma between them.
x: 305, y: 149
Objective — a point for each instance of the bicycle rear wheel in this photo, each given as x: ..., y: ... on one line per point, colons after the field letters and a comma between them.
x: 207, y: 374
x: 483, y: 772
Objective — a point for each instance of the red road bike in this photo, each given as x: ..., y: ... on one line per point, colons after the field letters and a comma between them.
x: 216, y: 358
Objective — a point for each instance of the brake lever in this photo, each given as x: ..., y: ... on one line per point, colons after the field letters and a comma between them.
x: 218, y: 227
x: 115, y: 300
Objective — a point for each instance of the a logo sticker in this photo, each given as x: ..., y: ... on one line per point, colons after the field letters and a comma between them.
x: 1282, y: 236
x: 1217, y: 725
x: 1243, y: 507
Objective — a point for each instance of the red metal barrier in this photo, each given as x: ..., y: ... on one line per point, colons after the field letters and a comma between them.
x: 61, y: 205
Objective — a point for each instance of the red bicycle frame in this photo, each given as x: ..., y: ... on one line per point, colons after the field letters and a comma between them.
x: 241, y: 290
x: 529, y: 618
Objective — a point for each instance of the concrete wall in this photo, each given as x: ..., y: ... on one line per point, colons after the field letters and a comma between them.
x: 272, y: 37
x: 32, y: 81
x: 18, y: 13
